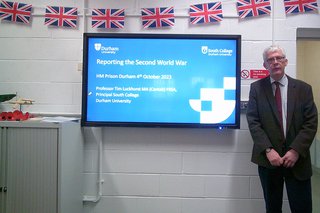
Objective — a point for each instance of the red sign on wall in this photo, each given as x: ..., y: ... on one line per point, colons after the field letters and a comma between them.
x: 258, y: 74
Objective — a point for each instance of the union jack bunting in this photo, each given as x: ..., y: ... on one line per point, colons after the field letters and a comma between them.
x: 15, y: 12
x: 61, y: 16
x: 157, y: 17
x: 205, y: 13
x: 300, y: 6
x: 249, y: 8
x: 108, y: 18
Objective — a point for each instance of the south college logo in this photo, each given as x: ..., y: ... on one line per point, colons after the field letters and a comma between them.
x: 220, y: 109
x: 204, y: 49
x: 97, y: 46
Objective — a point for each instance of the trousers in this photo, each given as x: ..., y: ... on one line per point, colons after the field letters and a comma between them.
x: 299, y: 192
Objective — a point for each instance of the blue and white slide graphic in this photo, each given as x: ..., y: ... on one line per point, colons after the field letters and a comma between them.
x: 220, y: 109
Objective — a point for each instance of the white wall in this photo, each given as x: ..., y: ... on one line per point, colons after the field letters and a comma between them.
x: 144, y: 169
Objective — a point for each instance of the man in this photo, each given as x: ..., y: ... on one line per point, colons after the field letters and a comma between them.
x: 282, y: 119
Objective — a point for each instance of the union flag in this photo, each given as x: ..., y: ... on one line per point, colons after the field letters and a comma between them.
x: 205, y: 13
x: 108, y: 18
x: 157, y: 17
x: 300, y: 6
x: 15, y: 12
x: 61, y: 16
x: 249, y: 8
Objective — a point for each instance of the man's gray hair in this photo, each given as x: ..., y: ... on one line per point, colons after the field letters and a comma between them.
x: 273, y: 48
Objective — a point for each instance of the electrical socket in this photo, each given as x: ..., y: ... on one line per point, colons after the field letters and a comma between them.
x: 79, y: 67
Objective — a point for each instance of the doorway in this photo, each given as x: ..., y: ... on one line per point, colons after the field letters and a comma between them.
x: 308, y: 69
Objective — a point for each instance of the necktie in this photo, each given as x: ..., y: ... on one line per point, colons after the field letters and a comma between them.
x: 278, y: 102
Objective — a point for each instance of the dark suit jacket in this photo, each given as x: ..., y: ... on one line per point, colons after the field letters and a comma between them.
x: 302, y: 121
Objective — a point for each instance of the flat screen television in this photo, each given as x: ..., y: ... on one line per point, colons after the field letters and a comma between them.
x: 161, y: 80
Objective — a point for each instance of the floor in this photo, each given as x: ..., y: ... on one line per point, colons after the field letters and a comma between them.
x: 316, y: 191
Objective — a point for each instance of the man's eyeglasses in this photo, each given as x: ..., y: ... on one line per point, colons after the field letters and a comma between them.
x: 274, y: 59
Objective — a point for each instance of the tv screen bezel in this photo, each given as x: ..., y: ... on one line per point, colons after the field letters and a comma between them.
x: 87, y: 36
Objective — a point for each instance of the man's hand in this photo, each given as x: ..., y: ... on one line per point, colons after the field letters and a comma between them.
x: 274, y: 158
x: 290, y: 158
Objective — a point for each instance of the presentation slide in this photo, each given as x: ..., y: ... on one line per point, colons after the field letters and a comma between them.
x: 161, y: 80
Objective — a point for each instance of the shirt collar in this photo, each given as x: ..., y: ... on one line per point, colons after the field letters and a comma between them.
x: 283, y: 81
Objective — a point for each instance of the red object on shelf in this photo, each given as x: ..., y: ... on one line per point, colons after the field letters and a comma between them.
x: 17, y: 115
x: 3, y: 116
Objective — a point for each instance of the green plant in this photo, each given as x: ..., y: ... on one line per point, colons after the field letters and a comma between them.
x: 6, y: 97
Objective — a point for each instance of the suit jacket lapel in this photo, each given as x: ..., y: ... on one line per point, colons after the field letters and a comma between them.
x: 270, y: 97
x: 290, y: 100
